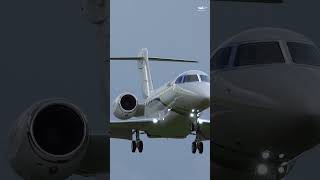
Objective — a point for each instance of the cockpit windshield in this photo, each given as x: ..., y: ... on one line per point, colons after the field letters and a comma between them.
x: 259, y: 53
x: 192, y: 78
x: 204, y: 78
x: 304, y: 53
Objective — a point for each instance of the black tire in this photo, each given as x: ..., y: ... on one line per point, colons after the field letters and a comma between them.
x: 133, y: 146
x: 140, y: 146
x: 194, y: 147
x: 200, y: 147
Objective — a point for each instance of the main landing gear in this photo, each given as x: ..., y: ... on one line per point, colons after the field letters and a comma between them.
x: 197, y: 144
x: 137, y: 144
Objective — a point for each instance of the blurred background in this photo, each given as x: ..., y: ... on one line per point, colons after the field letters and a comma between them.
x: 230, y: 18
x: 176, y: 29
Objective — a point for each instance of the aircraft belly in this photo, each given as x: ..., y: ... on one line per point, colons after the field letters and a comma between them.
x: 273, y: 130
x: 174, y: 125
x: 222, y: 173
x: 228, y: 163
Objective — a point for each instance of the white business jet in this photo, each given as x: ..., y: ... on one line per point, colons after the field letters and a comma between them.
x: 171, y: 111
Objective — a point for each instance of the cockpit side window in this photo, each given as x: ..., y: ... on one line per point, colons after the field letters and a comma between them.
x: 304, y: 53
x: 179, y: 80
x: 221, y: 59
x: 204, y: 78
x: 190, y: 78
x: 259, y: 53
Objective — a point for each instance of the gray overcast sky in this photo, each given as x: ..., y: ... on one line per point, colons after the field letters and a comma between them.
x: 228, y: 19
x: 168, y: 29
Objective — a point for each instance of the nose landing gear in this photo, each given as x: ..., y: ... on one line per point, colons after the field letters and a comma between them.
x: 197, y: 144
x: 137, y: 144
x: 273, y: 166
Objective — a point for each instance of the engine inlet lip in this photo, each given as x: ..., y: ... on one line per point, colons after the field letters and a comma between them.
x: 65, y: 103
x: 136, y: 102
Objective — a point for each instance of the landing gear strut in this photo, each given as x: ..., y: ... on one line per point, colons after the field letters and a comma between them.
x: 137, y: 144
x: 196, y: 144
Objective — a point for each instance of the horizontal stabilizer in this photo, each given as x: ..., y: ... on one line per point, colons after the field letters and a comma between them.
x: 154, y: 59
x: 143, y: 65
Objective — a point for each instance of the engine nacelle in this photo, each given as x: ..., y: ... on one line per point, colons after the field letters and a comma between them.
x: 125, y: 106
x: 49, y: 140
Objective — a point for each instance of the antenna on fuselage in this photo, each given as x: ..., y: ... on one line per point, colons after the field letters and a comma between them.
x: 143, y: 65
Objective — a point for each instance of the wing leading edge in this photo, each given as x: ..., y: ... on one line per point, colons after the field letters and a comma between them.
x: 96, y: 160
x: 123, y: 129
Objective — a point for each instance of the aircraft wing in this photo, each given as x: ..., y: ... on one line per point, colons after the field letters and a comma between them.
x: 204, y: 128
x: 96, y: 160
x: 123, y: 129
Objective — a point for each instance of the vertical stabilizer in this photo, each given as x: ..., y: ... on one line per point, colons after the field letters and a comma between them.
x: 143, y: 66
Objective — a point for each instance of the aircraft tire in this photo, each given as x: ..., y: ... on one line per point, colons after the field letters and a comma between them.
x: 133, y: 146
x: 140, y: 146
x: 200, y: 147
x: 194, y: 147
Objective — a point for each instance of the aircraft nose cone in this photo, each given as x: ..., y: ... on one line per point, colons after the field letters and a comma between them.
x: 204, y: 96
x: 303, y: 106
x: 306, y: 130
x: 196, y: 95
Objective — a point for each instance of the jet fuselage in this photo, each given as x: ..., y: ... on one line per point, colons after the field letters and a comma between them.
x: 174, y: 103
x: 265, y: 99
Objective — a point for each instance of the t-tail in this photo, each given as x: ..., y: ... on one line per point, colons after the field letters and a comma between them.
x: 144, y: 68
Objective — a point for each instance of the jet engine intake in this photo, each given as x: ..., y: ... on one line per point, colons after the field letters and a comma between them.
x: 125, y: 106
x: 49, y: 140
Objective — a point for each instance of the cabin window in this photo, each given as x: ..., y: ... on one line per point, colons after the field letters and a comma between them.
x: 304, y: 53
x: 259, y: 53
x: 221, y: 58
